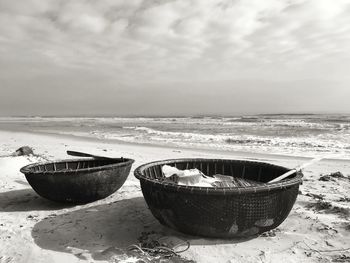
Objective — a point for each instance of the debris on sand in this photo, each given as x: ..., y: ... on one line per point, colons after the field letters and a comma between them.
x: 320, y: 205
x: 337, y: 175
x: 22, y: 151
x: 327, y: 228
x: 271, y: 233
x: 326, y: 178
x: 331, y: 176
x: 341, y: 258
x: 6, y: 259
x: 341, y: 211
x: 328, y: 208
x: 316, y: 196
x: 344, y: 199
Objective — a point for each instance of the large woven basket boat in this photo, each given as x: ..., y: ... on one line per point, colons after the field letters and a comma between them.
x: 225, y: 211
x: 78, y: 180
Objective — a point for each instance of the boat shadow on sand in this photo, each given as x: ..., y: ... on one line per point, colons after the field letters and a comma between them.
x: 107, y: 227
x: 27, y: 199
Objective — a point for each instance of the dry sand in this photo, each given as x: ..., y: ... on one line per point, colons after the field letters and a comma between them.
x: 33, y: 229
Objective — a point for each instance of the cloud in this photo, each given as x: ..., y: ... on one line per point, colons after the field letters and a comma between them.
x: 152, y: 37
x: 156, y: 42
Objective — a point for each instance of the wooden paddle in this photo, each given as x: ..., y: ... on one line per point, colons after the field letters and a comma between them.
x: 299, y: 168
x: 239, y: 182
x: 82, y: 154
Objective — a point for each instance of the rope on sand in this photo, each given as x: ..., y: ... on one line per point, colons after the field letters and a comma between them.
x: 161, y: 250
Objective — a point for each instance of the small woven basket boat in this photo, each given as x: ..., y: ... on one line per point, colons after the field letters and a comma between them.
x: 78, y: 180
x: 221, y: 211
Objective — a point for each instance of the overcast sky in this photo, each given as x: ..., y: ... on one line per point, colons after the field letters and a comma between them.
x: 164, y: 57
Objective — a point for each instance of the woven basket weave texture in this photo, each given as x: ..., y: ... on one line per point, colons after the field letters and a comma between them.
x: 220, y: 212
x: 78, y: 180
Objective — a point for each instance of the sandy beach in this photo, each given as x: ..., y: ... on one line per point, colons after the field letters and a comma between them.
x: 33, y: 229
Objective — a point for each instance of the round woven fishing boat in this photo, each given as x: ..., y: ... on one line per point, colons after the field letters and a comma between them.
x: 220, y: 211
x: 78, y: 180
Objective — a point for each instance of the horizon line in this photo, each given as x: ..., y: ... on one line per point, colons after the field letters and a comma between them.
x: 172, y: 116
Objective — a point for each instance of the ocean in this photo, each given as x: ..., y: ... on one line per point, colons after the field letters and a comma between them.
x: 286, y: 134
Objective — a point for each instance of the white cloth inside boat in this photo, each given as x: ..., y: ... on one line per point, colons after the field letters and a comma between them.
x: 194, y: 177
x: 190, y: 177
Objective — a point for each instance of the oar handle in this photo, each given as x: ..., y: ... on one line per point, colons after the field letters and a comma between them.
x: 285, y: 175
x: 82, y: 154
